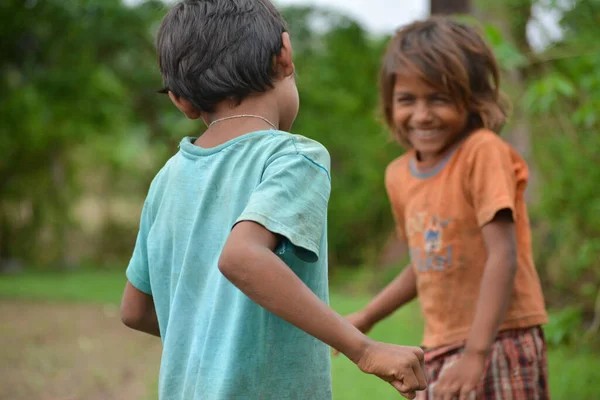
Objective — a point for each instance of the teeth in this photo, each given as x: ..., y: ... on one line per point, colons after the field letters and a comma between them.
x: 425, y: 133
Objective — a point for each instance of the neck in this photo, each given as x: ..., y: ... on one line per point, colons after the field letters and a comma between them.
x: 243, y: 116
x: 229, y: 120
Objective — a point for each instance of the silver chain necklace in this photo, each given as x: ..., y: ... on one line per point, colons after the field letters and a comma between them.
x: 243, y: 116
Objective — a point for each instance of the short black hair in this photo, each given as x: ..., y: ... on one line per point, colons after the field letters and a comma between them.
x: 213, y: 50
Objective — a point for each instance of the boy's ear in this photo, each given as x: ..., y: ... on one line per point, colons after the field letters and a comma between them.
x: 285, y: 63
x: 184, y: 106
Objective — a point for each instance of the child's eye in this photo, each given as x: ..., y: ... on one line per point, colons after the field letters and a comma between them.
x: 440, y: 99
x: 404, y: 100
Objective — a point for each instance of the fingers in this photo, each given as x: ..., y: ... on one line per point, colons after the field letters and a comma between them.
x: 455, y: 393
x: 400, y: 366
x: 419, y: 369
x: 399, y: 386
x: 413, y: 377
x: 420, y: 355
x: 467, y: 393
x: 448, y: 394
x: 419, y: 372
x: 409, y: 382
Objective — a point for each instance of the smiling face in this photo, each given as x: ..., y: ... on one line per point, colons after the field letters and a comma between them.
x: 428, y: 118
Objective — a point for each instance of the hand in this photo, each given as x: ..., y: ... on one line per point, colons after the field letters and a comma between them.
x: 460, y: 380
x: 360, y: 321
x: 401, y: 366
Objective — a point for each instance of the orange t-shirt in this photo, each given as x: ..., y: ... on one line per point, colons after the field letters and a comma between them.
x: 440, y: 213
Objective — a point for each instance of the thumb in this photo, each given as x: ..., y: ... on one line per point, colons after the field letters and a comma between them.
x: 400, y: 387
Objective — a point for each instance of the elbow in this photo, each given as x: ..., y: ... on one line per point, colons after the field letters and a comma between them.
x: 233, y: 264
x: 226, y: 266
x: 130, y: 317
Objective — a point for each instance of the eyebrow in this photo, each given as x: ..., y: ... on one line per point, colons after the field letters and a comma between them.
x: 430, y: 94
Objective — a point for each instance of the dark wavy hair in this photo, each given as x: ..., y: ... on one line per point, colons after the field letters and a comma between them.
x: 453, y: 58
x: 213, y: 50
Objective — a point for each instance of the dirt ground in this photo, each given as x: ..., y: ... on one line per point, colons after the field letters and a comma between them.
x: 73, y: 352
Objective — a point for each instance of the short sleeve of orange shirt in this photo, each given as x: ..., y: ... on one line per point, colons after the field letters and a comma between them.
x: 497, y: 175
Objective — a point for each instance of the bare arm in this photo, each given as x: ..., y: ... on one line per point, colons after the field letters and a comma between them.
x: 400, y: 291
x: 249, y: 263
x: 497, y: 282
x: 138, y: 312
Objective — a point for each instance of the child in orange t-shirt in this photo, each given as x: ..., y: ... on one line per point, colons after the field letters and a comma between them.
x: 457, y: 197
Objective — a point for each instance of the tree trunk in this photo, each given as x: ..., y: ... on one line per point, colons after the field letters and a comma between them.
x: 511, y: 18
x: 450, y: 7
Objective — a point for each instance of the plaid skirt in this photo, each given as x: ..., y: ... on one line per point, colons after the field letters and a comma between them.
x: 516, y: 369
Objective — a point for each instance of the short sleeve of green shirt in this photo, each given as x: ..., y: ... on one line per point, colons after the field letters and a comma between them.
x: 137, y: 271
x: 291, y: 201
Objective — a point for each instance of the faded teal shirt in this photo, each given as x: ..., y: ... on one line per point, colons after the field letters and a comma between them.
x: 217, y: 343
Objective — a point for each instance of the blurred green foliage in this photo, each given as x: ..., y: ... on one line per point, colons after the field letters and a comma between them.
x: 562, y: 99
x: 83, y: 132
x: 79, y: 116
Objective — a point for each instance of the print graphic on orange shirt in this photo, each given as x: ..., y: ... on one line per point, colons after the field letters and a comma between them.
x: 426, y: 242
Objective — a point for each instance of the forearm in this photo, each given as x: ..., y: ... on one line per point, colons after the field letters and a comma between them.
x: 400, y: 291
x: 494, y: 299
x: 265, y: 279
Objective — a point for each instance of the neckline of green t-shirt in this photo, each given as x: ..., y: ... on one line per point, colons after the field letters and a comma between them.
x: 188, y: 147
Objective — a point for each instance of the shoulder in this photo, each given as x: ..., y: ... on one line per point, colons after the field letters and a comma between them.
x: 158, y: 188
x: 483, y: 140
x: 397, y: 169
x: 312, y: 149
x: 483, y: 143
x: 299, y: 149
x: 161, y: 179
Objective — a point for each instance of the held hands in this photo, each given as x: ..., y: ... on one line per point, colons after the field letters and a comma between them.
x: 401, y: 366
x: 460, y: 380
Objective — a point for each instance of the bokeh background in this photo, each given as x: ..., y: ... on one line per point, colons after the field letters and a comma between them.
x: 83, y: 131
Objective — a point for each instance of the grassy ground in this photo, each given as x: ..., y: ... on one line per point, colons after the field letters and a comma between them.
x: 62, y: 340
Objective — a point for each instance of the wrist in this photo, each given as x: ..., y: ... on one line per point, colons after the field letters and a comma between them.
x: 477, y: 350
x: 357, y: 345
x: 369, y: 317
x: 357, y: 352
x: 364, y: 317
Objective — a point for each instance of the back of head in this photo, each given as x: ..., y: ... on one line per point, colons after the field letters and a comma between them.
x: 215, y: 50
x: 453, y: 58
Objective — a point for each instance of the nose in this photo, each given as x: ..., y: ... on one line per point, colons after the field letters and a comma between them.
x: 422, y: 114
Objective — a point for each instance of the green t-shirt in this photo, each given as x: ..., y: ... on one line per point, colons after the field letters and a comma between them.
x: 217, y: 343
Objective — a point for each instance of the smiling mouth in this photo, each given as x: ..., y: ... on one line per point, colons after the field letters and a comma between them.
x: 426, y: 134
